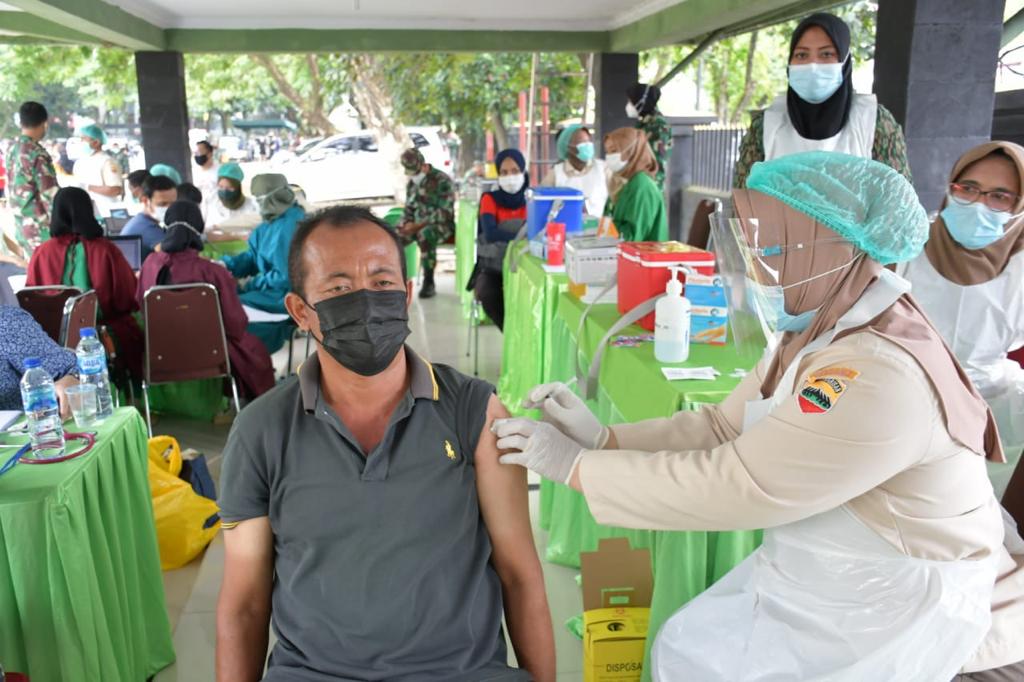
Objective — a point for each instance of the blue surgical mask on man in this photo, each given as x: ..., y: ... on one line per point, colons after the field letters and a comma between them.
x: 974, y: 226
x: 815, y: 83
x: 585, y: 151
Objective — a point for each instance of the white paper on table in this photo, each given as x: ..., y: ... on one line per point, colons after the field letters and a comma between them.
x: 8, y: 417
x: 257, y: 315
x: 690, y: 373
x: 551, y: 269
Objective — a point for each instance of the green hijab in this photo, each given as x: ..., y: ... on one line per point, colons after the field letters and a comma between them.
x: 273, y: 195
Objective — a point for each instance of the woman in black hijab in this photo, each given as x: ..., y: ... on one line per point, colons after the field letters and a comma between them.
x: 820, y: 110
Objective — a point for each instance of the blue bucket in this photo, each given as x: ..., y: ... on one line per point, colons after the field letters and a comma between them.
x: 539, y: 206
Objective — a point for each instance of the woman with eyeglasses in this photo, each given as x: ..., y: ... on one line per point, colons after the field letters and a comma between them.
x: 970, y: 282
x: 820, y: 110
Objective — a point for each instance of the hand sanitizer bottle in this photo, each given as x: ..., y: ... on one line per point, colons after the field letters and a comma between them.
x: 672, y: 323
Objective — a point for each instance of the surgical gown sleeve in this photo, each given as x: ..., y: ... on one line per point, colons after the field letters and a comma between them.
x: 244, y: 264
x: 849, y: 426
x: 271, y: 255
x: 701, y: 429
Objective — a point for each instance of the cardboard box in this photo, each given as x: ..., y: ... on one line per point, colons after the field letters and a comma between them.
x: 709, y: 325
x: 617, y: 587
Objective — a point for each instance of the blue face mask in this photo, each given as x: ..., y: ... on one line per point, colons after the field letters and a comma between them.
x: 974, y: 226
x: 774, y: 298
x: 585, y: 151
x: 815, y: 83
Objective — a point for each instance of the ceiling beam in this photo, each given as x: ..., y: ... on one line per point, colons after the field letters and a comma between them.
x: 7, y: 39
x: 1013, y: 27
x: 363, y: 40
x: 691, y: 20
x: 104, y: 22
x: 29, y: 25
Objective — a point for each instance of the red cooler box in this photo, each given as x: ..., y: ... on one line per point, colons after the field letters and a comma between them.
x: 644, y: 271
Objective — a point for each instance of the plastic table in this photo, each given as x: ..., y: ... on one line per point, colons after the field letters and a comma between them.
x: 81, y: 593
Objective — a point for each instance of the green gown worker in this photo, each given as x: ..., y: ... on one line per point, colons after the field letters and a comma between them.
x: 429, y: 217
x: 642, y: 105
x: 636, y: 204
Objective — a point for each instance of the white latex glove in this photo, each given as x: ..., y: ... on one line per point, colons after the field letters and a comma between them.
x: 567, y: 411
x: 541, y: 448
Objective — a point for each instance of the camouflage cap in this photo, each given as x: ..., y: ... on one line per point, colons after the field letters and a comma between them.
x: 412, y: 159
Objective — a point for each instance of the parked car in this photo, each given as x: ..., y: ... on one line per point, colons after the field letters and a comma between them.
x: 350, y: 166
x: 232, y: 148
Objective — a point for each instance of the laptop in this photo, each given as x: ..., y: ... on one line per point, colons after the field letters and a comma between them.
x: 131, y: 247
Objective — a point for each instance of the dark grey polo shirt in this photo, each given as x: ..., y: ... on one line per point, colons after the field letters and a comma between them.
x: 382, y: 561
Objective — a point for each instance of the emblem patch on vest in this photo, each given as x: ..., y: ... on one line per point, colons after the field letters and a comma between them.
x: 449, y: 451
x: 824, y: 387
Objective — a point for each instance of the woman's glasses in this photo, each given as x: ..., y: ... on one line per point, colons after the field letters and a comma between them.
x: 998, y: 200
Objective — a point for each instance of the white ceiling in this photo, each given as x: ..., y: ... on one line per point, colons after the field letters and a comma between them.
x: 530, y: 15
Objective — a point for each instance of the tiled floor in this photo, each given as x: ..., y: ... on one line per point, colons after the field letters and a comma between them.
x: 440, y: 334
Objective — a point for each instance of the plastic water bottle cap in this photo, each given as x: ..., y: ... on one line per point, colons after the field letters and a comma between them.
x: 32, y: 363
x: 87, y: 331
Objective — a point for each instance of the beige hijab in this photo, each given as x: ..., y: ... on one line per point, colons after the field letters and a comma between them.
x: 632, y: 144
x: 965, y: 266
x: 968, y: 418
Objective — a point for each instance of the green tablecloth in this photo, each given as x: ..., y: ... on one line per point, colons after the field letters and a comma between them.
x: 217, y: 250
x: 531, y: 300
x: 81, y: 594
x: 465, y: 250
x: 632, y: 389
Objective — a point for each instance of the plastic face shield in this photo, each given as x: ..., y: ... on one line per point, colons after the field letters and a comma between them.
x: 751, y: 253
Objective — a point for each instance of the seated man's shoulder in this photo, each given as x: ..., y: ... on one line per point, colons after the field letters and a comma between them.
x: 273, y: 407
x: 454, y: 382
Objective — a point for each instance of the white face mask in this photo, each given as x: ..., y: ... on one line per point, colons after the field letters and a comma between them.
x: 615, y: 162
x: 417, y: 177
x: 511, y: 183
x: 631, y: 110
x: 159, y: 212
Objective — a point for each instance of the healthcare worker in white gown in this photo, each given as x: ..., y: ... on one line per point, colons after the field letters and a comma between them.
x: 857, y: 442
x: 970, y: 282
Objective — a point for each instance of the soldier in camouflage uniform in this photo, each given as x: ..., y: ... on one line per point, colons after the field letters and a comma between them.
x: 32, y: 181
x: 429, y: 217
x: 643, y: 105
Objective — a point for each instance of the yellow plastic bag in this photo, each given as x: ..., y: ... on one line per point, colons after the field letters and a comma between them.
x: 180, y: 513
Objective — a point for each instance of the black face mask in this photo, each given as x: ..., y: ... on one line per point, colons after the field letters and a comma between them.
x: 364, y: 330
x: 201, y: 159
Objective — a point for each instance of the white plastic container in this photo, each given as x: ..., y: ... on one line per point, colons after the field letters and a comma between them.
x: 672, y: 323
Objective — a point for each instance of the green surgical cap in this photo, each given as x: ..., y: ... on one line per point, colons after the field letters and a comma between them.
x: 864, y: 201
x: 95, y: 132
x: 564, y: 138
x: 232, y: 171
x: 166, y: 171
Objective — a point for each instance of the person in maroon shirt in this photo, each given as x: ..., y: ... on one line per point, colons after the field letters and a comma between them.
x: 177, y: 261
x: 74, y: 232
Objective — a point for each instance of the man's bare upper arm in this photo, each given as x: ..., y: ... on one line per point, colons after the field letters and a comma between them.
x: 504, y: 503
x: 249, y: 560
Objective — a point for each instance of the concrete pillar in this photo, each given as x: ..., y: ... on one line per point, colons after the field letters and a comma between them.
x: 163, y: 112
x: 613, y: 73
x: 935, y: 67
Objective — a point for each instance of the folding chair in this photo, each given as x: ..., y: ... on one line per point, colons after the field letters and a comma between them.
x: 79, y: 312
x: 46, y: 305
x: 185, y: 338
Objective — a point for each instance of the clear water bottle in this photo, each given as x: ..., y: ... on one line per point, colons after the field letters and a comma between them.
x: 92, y: 369
x: 39, y: 398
